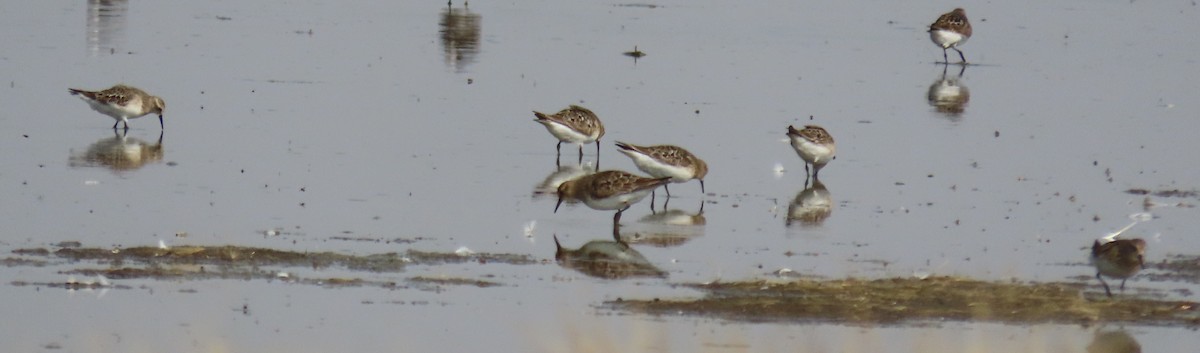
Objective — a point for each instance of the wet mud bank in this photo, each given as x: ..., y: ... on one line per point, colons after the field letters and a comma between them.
x: 235, y: 262
x: 914, y: 301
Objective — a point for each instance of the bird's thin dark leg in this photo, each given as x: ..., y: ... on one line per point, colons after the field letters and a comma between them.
x: 960, y: 56
x: 581, y: 154
x: 652, y: 194
x: 1123, y: 284
x: 1106, y: 291
x: 118, y: 122
x: 617, y: 224
x: 701, y: 187
x: 616, y: 229
x: 667, y: 201
x: 945, y: 58
x: 668, y: 189
x: 597, y: 153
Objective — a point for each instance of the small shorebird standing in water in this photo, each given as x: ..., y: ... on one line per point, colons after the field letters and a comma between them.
x: 814, y: 145
x: 666, y: 161
x: 949, y: 31
x: 1119, y: 258
x: 609, y: 190
x: 122, y: 102
x: 576, y: 125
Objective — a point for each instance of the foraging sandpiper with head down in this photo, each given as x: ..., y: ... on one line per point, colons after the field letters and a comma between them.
x: 666, y: 161
x: 949, y: 31
x: 576, y: 125
x: 122, y: 103
x: 814, y: 145
x: 1119, y: 258
x: 608, y: 190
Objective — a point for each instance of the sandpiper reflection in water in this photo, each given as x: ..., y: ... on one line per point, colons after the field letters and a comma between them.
x: 560, y: 174
x: 119, y: 153
x: 607, y: 259
x: 948, y: 96
x: 460, y: 33
x: 670, y: 227
x: 811, y: 206
x: 1113, y: 341
x: 105, y: 26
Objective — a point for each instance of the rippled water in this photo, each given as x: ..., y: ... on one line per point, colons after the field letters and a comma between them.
x: 318, y: 126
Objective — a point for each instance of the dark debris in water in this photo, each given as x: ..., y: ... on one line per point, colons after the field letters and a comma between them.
x: 1178, y: 268
x: 453, y: 281
x: 1165, y: 193
x: 912, y: 300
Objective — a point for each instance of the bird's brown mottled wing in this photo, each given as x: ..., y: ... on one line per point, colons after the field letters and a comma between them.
x: 613, y: 182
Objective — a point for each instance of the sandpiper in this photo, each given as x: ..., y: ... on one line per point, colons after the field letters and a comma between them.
x: 609, y: 190
x: 1119, y: 258
x: 122, y: 103
x: 666, y: 161
x: 949, y: 31
x: 814, y: 145
x: 576, y: 125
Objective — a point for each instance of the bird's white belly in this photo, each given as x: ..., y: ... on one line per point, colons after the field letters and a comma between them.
x: 616, y: 202
x: 658, y: 169
x: 812, y: 152
x: 566, y: 134
x: 947, y: 39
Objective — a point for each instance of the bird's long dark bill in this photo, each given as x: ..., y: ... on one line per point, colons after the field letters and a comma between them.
x: 160, y: 122
x: 557, y: 204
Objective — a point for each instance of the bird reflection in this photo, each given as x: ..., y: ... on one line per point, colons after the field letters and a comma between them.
x: 811, y: 206
x: 606, y: 259
x: 119, y: 153
x: 1113, y: 341
x: 673, y: 227
x: 105, y: 25
x: 561, y: 173
x: 460, y: 36
x: 948, y: 96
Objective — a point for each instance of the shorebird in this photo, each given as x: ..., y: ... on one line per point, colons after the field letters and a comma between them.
x: 576, y: 125
x: 608, y: 190
x: 814, y: 145
x: 666, y: 161
x: 1119, y: 258
x: 949, y: 31
x: 122, y: 103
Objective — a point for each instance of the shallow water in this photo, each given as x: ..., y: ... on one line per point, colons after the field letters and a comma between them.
x: 343, y: 127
